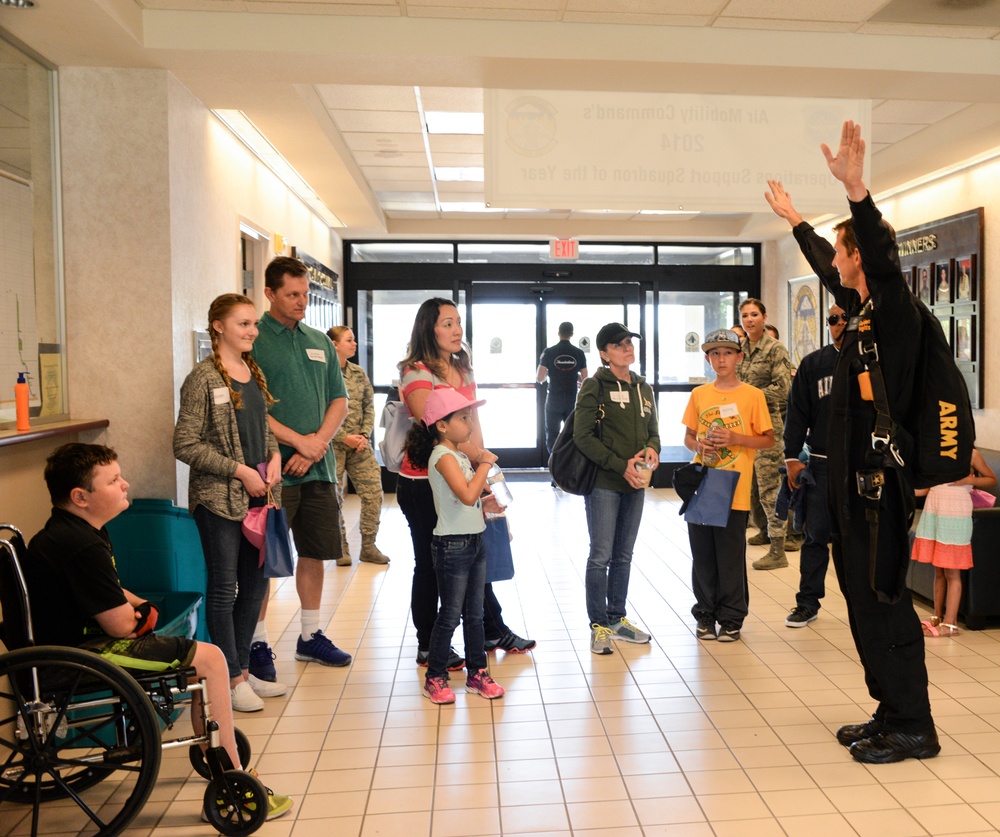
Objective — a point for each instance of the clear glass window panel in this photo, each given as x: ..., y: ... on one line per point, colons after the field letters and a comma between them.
x: 684, y: 320
x: 404, y: 252
x: 491, y: 253
x: 670, y: 254
x: 587, y: 319
x: 503, y: 343
x: 508, y: 418
x: 393, y: 313
x: 670, y: 415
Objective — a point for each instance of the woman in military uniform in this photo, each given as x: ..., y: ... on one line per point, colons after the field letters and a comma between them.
x: 766, y: 365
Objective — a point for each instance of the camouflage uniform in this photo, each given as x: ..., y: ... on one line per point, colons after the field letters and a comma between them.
x: 366, y: 476
x: 769, y: 368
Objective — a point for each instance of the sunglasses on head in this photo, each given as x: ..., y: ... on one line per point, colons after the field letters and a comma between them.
x: 833, y: 319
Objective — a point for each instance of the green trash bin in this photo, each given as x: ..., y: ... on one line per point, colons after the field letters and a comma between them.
x: 157, y: 548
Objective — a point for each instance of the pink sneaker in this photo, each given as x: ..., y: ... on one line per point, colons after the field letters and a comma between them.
x: 438, y: 690
x: 481, y: 683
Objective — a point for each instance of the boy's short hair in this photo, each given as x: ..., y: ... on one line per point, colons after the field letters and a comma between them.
x: 72, y: 466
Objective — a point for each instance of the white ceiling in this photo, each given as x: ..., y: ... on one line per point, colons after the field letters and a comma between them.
x: 333, y: 84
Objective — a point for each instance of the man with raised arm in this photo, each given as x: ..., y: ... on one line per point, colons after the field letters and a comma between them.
x: 869, y: 523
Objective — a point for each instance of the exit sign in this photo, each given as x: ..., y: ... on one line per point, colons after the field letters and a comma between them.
x: 564, y: 248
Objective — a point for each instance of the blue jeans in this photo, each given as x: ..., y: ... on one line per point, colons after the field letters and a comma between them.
x: 814, y: 557
x: 235, y: 587
x: 613, y: 521
x: 460, y: 567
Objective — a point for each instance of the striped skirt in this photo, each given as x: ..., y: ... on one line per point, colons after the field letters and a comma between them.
x: 944, y: 533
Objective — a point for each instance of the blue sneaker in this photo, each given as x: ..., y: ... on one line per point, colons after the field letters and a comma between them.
x: 319, y: 649
x: 262, y: 662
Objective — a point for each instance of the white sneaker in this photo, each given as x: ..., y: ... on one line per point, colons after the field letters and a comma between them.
x: 245, y: 699
x: 266, y: 689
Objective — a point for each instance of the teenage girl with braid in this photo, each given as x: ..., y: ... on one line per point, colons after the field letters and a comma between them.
x: 222, y: 432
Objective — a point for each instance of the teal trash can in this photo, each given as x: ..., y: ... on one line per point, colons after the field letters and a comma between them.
x: 157, y: 548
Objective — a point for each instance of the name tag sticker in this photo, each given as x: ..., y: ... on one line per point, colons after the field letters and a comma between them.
x: 316, y: 354
x: 728, y: 411
x: 220, y: 395
x: 620, y: 397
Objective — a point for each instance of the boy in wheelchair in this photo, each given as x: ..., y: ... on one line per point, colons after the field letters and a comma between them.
x: 77, y: 598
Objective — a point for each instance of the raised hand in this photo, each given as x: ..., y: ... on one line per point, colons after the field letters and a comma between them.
x: 849, y: 163
x: 781, y: 203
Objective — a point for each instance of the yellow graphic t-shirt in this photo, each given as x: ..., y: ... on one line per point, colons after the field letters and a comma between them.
x: 742, y: 410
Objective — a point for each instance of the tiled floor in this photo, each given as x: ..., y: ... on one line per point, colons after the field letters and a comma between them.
x: 674, y: 738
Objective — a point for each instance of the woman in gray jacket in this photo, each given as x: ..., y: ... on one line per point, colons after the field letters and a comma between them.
x: 222, y: 432
x: 626, y: 455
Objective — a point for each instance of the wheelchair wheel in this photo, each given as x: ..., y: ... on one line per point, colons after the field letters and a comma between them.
x: 200, y: 765
x: 88, y: 722
x: 237, y: 804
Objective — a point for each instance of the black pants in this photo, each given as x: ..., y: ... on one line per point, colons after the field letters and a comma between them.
x: 815, y: 555
x: 888, y: 637
x: 556, y: 409
x: 416, y: 500
x: 719, y: 571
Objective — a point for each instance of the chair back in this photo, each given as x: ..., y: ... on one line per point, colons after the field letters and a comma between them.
x: 16, y: 626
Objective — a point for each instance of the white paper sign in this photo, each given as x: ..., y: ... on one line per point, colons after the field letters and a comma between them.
x: 585, y: 150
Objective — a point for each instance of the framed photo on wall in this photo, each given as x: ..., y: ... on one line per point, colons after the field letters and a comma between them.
x: 945, y: 320
x: 965, y: 279
x: 923, y: 286
x: 965, y: 338
x: 942, y: 283
x: 805, y: 311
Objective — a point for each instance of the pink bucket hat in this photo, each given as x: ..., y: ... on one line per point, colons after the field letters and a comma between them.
x: 445, y: 401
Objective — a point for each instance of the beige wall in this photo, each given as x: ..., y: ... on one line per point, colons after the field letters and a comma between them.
x: 154, y: 189
x: 978, y: 186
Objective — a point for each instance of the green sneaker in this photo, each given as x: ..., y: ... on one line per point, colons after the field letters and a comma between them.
x: 625, y: 631
x: 277, y: 805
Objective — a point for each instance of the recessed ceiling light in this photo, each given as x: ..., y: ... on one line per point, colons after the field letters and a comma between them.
x: 18, y: 4
x: 448, y: 122
x: 468, y: 174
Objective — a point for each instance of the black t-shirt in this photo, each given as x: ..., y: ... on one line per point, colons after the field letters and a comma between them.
x: 71, y: 576
x: 564, y: 362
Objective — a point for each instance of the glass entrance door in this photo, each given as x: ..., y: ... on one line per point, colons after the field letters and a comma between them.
x: 510, y: 325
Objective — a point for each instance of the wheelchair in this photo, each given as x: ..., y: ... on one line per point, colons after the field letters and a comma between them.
x: 84, y: 736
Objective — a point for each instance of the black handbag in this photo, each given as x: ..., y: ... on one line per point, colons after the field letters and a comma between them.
x: 571, y: 470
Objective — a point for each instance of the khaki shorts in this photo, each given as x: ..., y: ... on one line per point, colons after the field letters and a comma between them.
x: 314, y: 518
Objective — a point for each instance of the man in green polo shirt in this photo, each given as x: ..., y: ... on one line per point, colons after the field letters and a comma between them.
x: 303, y: 374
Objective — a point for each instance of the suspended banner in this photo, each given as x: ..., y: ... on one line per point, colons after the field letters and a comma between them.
x: 681, y: 152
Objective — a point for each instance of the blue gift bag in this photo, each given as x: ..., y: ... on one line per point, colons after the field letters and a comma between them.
x: 712, y: 502
x: 496, y: 545
x: 277, y: 550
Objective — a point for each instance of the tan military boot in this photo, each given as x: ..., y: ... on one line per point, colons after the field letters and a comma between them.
x: 775, y: 558
x: 370, y: 553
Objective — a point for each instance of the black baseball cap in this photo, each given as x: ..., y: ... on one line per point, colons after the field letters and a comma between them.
x: 613, y: 333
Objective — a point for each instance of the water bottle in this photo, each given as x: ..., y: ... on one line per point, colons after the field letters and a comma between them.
x: 498, y: 485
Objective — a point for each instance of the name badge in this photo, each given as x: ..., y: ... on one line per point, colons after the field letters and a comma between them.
x: 620, y: 397
x: 728, y: 411
x: 316, y: 354
x: 220, y: 395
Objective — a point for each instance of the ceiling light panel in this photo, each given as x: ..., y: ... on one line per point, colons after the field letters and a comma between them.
x: 448, y: 122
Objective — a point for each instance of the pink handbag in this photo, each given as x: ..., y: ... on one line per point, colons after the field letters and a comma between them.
x: 254, y: 525
x: 982, y: 499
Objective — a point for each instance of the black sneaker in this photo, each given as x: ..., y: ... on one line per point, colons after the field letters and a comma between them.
x: 728, y: 633
x: 800, y: 617
x: 706, y: 628
x: 511, y: 643
x: 456, y: 662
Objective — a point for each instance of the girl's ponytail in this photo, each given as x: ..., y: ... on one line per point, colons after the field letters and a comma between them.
x: 420, y: 441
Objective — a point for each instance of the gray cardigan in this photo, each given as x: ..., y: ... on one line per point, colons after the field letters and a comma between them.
x: 206, y: 438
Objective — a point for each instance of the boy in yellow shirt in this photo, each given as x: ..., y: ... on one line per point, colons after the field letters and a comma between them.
x: 726, y: 421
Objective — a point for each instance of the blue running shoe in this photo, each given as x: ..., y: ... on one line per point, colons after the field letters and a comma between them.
x: 319, y: 649
x: 262, y: 662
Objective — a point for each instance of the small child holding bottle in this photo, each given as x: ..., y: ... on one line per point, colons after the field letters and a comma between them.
x: 457, y: 545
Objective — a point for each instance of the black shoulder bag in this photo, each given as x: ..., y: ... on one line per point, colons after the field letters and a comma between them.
x: 571, y: 470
